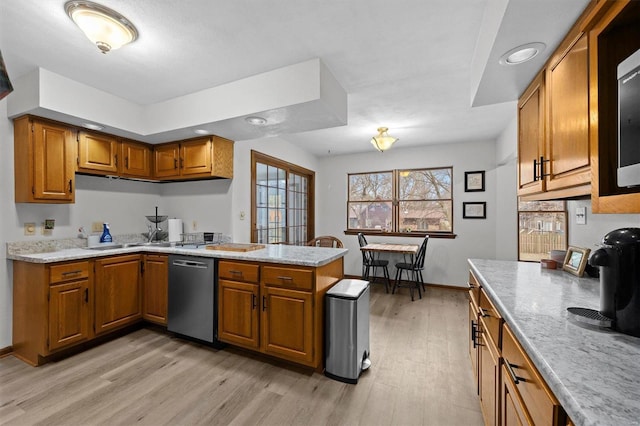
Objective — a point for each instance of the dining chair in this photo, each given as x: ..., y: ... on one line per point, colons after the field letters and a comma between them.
x: 415, y: 268
x: 326, y: 241
x: 370, y: 262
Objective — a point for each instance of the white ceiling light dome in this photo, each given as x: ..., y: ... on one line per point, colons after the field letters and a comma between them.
x: 521, y: 54
x: 105, y: 27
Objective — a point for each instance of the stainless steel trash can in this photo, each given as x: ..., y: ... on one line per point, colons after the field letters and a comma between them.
x: 347, y: 330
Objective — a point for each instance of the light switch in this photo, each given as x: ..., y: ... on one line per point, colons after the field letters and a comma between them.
x: 581, y: 215
x: 242, y: 215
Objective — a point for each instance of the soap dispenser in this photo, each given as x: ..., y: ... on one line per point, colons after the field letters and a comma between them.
x: 106, y: 235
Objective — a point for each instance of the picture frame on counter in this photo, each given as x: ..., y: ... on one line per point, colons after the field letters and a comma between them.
x: 474, y: 181
x: 474, y: 210
x: 575, y: 261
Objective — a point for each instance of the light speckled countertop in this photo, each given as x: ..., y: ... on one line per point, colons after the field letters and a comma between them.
x: 272, y: 253
x: 594, y: 372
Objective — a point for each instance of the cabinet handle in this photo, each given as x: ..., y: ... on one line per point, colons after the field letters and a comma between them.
x: 86, y: 295
x: 182, y: 163
x: 175, y: 163
x: 126, y: 162
x: 116, y: 159
x: 472, y: 285
x: 71, y: 272
x: 542, y: 173
x: 512, y: 373
x: 264, y: 303
x: 535, y: 168
x: 285, y: 278
x: 483, y: 313
x: 254, y: 301
x: 235, y: 272
x: 474, y: 332
x: 70, y: 186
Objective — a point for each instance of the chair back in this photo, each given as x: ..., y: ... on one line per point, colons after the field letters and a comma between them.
x: 325, y: 241
x: 422, y: 251
x: 367, y: 256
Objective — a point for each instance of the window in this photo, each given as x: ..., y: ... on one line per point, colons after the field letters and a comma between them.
x: 414, y: 200
x: 282, y: 201
x: 542, y: 227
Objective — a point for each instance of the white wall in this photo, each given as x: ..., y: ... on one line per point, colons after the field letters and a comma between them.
x: 446, y: 258
x: 597, y: 226
x: 506, y: 193
x: 6, y: 219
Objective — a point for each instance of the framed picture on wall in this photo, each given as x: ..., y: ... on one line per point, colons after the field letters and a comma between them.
x: 474, y: 210
x: 474, y: 181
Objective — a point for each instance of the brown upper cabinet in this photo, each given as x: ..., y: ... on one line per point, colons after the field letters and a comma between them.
x: 553, y: 126
x: 44, y: 156
x: 567, y: 117
x: 194, y: 159
x: 136, y: 159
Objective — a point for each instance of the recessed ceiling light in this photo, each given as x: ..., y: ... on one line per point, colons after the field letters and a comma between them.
x: 255, y: 120
x: 93, y: 126
x: 201, y: 132
x: 521, y: 54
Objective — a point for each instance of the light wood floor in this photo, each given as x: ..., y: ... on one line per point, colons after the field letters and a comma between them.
x: 420, y: 375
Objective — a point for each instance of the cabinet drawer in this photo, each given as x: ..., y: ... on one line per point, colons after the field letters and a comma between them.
x: 236, y: 271
x: 474, y: 288
x: 287, y: 277
x: 538, y: 399
x: 491, y: 318
x: 68, y: 271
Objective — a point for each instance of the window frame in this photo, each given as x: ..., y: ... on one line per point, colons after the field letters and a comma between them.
x: 258, y: 157
x: 534, y: 212
x: 395, y: 203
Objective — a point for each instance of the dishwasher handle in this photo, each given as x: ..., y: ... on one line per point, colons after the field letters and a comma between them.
x: 189, y: 264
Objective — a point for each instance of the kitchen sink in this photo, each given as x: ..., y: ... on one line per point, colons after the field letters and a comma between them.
x: 119, y: 246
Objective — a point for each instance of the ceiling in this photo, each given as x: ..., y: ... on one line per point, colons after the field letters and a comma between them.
x: 427, y: 69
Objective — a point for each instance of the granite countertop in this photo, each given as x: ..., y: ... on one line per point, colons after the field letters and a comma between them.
x: 594, y: 372
x: 272, y: 253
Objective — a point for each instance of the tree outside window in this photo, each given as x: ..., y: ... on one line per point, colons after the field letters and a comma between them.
x: 412, y: 200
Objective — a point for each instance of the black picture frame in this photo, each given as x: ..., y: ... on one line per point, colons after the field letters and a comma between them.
x: 474, y: 210
x: 474, y: 181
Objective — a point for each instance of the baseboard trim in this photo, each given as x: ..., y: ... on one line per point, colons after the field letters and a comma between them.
x: 443, y: 286
x: 6, y: 351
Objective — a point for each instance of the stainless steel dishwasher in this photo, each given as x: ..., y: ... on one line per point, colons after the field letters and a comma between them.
x: 192, y: 310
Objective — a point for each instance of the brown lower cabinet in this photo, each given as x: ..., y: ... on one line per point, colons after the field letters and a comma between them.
x: 118, y: 298
x: 155, y: 285
x: 510, y: 388
x: 59, y: 305
x: 277, y: 310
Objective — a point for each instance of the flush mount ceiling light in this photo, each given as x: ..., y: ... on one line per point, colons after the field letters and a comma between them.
x: 106, y: 28
x: 201, y: 132
x: 383, y: 141
x: 521, y: 54
x: 255, y: 120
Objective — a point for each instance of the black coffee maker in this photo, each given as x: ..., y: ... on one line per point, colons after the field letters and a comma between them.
x: 619, y: 262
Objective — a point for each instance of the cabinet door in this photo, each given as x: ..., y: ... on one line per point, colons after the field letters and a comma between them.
x: 155, y: 284
x: 165, y: 162
x: 568, y: 140
x: 69, y: 313
x: 97, y: 153
x: 53, y: 157
x: 195, y: 158
x: 287, y: 324
x: 488, y: 377
x: 238, y: 313
x: 531, y: 134
x: 118, y: 298
x: 513, y: 411
x: 136, y: 159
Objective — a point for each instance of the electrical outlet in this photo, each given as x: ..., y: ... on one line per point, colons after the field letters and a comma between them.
x: 242, y: 215
x: 96, y: 227
x: 194, y: 225
x: 29, y: 228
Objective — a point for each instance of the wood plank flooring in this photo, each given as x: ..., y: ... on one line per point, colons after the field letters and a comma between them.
x: 420, y: 375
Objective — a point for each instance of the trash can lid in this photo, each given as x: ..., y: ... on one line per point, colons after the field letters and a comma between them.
x: 348, y: 288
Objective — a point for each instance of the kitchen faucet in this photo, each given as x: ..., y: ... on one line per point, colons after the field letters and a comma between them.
x: 152, y: 232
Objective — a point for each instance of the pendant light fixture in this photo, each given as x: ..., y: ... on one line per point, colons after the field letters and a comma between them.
x: 106, y: 28
x: 383, y: 141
